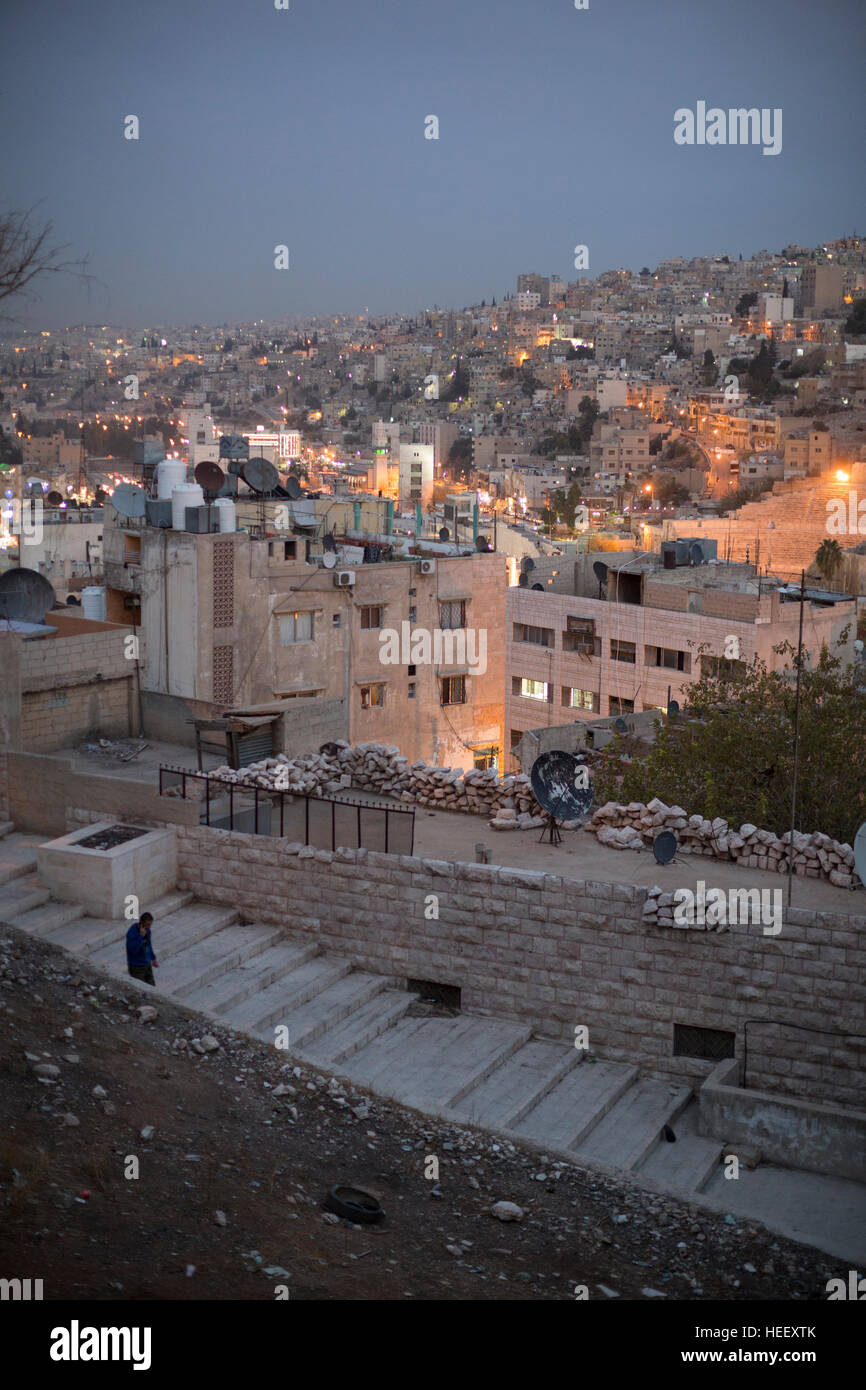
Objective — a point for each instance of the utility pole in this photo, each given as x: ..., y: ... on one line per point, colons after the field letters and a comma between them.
x: 796, y: 738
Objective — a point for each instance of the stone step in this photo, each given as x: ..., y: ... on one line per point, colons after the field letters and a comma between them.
x: 274, y: 1006
x: 432, y: 1062
x: 21, y: 894
x: 51, y: 916
x: 355, y: 1032
x: 251, y: 977
x: 16, y: 866
x: 503, y: 1099
x: 200, y: 965
x: 6, y: 828
x: 90, y: 933
x: 577, y: 1103
x: 179, y: 930
x: 632, y: 1128
x: 688, y: 1164
x: 326, y: 1011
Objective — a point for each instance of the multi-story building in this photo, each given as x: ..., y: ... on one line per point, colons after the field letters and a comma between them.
x: 821, y: 288
x: 648, y: 636
x: 416, y: 475
x: 535, y: 284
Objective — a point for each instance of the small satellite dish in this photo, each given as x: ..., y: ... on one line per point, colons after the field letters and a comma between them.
x: 209, y: 476
x: 620, y: 726
x: 523, y: 582
x: 599, y: 569
x: 860, y: 852
x: 329, y: 560
x: 72, y: 601
x: 528, y: 563
x: 25, y: 596
x: 696, y: 553
x: 664, y: 846
x: 444, y: 533
x: 55, y: 498
x: 293, y: 487
x: 328, y: 541
x: 673, y: 706
x: 128, y: 500
x: 539, y: 587
x: 562, y: 788
x: 260, y: 475
x: 482, y: 545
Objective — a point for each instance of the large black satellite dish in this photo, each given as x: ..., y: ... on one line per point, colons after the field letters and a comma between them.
x: 260, y: 475
x: 599, y: 569
x: 293, y: 487
x: 209, y: 476
x: 620, y: 726
x: 664, y: 846
x: 539, y: 587
x: 528, y: 563
x: 25, y: 596
x: 55, y: 498
x: 482, y: 545
x: 562, y: 788
x: 523, y: 581
x: 673, y: 707
x: 444, y: 533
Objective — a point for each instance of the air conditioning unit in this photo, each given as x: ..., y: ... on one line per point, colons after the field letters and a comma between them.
x: 428, y: 567
x: 344, y: 579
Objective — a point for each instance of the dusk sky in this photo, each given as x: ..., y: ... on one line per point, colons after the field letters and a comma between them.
x: 305, y: 127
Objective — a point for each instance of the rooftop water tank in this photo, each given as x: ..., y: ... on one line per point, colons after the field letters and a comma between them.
x: 169, y: 475
x: 226, y: 514
x: 182, y: 496
x: 93, y: 603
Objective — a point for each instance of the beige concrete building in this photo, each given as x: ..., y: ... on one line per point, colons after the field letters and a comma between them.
x: 572, y: 657
x: 239, y: 623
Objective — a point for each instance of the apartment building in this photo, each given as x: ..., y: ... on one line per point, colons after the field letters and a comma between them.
x: 577, y: 656
x: 257, y: 625
x: 416, y: 475
x: 821, y: 288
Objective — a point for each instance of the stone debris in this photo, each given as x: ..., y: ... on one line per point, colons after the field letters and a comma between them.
x: 375, y: 767
x: 636, y: 825
x: 507, y: 1211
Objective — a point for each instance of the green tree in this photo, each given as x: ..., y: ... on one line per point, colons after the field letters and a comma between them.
x: 828, y: 557
x: 856, y: 320
x: 745, y: 303
x: 460, y: 458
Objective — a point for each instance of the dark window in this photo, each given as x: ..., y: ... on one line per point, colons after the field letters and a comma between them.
x: 539, y: 636
x: 622, y: 651
x: 707, y: 1044
x: 372, y: 617
x: 433, y: 993
x: 620, y: 706
x: 452, y: 614
x: 453, y: 690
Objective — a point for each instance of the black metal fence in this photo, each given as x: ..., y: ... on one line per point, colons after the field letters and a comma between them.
x: 325, y: 822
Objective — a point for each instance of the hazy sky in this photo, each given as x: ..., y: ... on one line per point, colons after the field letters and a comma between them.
x: 305, y: 127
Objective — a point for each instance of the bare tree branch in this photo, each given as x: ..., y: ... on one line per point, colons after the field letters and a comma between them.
x: 26, y: 254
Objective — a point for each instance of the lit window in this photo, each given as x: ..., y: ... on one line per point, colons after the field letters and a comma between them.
x: 372, y: 696
x: 534, y: 690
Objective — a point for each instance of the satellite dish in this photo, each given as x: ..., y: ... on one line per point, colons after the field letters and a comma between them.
x: 25, y: 596
x: 523, y: 581
x: 673, y: 706
x: 562, y: 788
x: 696, y: 553
x: 860, y: 852
x: 528, y: 563
x: 539, y: 587
x: 72, y: 601
x: 55, y: 498
x: 328, y: 541
x: 444, y: 533
x: 128, y: 500
x: 482, y: 545
x: 260, y: 475
x: 209, y: 476
x: 293, y: 487
x: 620, y: 726
x: 664, y: 846
x: 599, y: 569
x: 329, y: 560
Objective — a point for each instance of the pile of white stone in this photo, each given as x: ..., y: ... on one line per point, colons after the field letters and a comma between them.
x: 372, y: 767
x: 637, y: 824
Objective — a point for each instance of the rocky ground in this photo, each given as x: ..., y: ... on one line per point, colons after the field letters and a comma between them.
x: 237, y: 1147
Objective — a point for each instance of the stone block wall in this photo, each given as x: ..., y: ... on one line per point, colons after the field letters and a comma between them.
x: 557, y: 954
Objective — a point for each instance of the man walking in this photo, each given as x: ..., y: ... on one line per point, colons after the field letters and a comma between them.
x: 139, y: 952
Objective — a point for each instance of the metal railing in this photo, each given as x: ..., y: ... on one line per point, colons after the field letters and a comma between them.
x: 325, y: 822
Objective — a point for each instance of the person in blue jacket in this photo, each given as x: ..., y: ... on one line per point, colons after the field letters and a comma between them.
x: 139, y: 952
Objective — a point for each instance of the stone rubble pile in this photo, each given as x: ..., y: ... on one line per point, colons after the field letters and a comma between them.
x: 373, y: 767
x: 636, y: 825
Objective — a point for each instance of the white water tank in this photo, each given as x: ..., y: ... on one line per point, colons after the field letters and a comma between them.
x: 226, y: 513
x: 93, y: 603
x: 169, y: 475
x: 183, y: 496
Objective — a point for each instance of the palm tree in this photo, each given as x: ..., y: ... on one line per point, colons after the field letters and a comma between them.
x: 828, y: 558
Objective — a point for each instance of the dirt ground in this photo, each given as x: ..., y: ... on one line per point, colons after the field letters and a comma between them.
x: 224, y: 1143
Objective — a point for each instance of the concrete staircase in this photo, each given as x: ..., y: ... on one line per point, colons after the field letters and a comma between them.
x: 480, y: 1071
